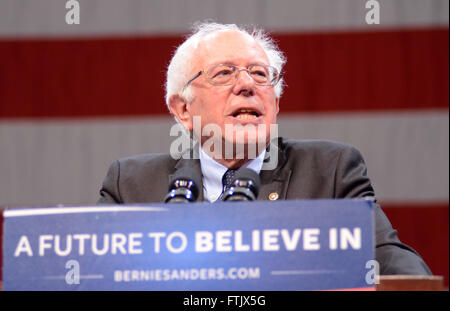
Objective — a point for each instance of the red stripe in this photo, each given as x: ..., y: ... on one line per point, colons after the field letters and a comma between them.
x: 426, y: 229
x: 406, y: 69
x: 367, y: 71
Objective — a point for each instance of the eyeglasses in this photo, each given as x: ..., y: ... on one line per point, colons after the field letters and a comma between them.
x: 228, y: 74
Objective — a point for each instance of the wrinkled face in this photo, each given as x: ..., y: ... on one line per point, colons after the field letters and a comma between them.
x: 245, y: 105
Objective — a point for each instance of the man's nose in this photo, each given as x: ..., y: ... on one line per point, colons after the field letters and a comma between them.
x: 245, y: 85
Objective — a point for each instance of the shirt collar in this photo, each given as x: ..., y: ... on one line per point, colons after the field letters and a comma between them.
x: 213, y: 171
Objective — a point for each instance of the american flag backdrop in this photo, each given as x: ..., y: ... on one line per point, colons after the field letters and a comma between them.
x: 76, y: 97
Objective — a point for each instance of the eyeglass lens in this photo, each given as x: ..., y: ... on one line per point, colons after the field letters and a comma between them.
x: 227, y: 74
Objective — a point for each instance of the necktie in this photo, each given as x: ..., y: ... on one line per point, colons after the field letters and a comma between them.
x: 227, y: 179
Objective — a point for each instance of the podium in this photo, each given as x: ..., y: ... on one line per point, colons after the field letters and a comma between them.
x: 275, y: 246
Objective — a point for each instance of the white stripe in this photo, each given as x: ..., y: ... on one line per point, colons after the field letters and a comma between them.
x: 117, y: 17
x: 49, y: 162
x: 74, y: 210
x: 406, y: 152
x: 45, y: 163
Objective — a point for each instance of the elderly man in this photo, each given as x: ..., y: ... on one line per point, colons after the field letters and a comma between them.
x: 230, y: 78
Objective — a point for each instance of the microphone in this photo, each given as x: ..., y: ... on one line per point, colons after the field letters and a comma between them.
x: 183, y: 187
x: 244, y: 187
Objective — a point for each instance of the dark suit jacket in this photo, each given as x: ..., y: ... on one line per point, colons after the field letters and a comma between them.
x: 305, y: 170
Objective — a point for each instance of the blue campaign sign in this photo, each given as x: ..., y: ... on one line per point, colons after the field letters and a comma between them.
x: 285, y: 245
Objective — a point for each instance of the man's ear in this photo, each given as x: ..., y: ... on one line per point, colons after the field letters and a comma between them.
x: 178, y: 107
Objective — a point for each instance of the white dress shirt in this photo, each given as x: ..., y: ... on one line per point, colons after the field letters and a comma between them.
x: 213, y: 172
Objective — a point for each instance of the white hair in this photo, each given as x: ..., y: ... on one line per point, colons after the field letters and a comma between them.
x: 179, y: 67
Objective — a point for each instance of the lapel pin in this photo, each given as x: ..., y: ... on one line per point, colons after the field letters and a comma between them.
x: 273, y: 196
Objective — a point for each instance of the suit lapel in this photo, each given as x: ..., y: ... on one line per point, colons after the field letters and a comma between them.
x: 274, y: 182
x: 191, y: 160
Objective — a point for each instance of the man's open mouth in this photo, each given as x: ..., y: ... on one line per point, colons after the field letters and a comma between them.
x: 246, y: 114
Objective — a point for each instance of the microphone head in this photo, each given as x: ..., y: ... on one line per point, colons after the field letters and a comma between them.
x: 244, y: 186
x: 247, y: 178
x: 185, y: 181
